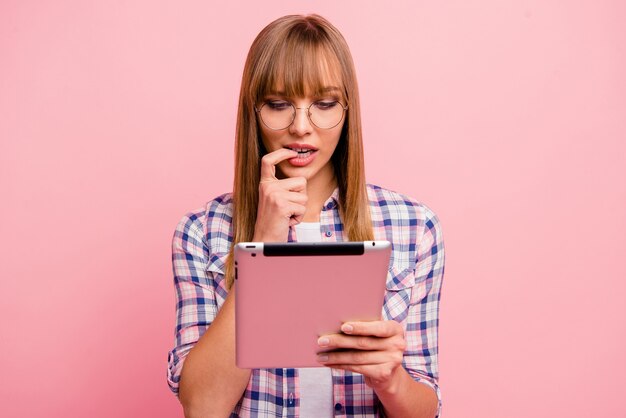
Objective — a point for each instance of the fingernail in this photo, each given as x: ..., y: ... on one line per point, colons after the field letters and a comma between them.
x: 347, y: 328
x: 323, y: 341
x: 322, y: 358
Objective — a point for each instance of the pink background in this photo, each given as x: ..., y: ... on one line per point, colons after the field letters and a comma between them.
x: 507, y: 118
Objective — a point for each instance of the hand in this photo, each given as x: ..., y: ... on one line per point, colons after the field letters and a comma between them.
x: 282, y: 203
x: 375, y: 349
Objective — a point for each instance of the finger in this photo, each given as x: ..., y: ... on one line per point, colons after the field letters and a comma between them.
x: 294, y: 184
x: 373, y: 374
x: 295, y: 197
x: 271, y: 193
x: 359, y: 342
x: 288, y: 210
x: 359, y: 357
x: 372, y: 328
x: 295, y: 220
x: 269, y: 161
x: 296, y: 212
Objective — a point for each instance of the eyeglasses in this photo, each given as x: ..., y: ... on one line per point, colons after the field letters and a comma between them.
x: 280, y: 114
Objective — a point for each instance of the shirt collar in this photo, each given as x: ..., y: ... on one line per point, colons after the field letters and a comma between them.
x: 333, y: 201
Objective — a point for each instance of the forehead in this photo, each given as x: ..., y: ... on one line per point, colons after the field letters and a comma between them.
x: 313, y: 72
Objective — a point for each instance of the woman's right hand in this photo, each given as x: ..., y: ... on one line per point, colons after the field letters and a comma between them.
x: 282, y: 203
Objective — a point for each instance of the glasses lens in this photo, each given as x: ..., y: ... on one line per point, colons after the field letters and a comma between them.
x: 326, y: 114
x: 277, y: 114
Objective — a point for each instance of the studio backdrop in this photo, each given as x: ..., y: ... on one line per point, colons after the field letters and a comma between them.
x: 507, y: 118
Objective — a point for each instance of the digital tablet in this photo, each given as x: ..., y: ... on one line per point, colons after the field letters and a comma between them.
x: 289, y: 294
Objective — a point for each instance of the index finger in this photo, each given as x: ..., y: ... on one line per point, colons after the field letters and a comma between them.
x: 269, y: 161
x: 372, y: 328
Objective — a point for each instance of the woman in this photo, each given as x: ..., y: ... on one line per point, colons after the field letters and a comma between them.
x: 299, y: 175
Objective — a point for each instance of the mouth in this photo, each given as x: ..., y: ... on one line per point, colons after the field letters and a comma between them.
x: 303, y: 151
x: 306, y: 154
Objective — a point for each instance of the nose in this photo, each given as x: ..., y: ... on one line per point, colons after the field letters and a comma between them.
x: 301, y: 124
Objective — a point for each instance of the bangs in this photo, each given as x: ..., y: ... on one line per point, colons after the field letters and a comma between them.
x: 300, y: 66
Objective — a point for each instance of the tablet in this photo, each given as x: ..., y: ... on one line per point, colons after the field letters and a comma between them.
x: 289, y: 294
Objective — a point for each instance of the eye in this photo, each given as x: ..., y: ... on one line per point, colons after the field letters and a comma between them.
x: 326, y: 104
x: 278, y: 105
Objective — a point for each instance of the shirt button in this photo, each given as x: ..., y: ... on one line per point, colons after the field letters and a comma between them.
x: 338, y: 407
x: 290, y: 398
x: 329, y: 233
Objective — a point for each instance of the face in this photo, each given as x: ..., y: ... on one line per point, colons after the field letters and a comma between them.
x: 315, y: 145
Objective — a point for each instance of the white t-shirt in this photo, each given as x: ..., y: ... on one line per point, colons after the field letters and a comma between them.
x: 316, y: 383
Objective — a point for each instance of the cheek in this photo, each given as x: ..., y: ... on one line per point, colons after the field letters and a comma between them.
x: 333, y: 138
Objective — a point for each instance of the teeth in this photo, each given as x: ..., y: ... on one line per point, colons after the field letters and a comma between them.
x: 301, y: 150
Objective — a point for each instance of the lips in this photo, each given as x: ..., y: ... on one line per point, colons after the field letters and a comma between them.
x: 301, y: 148
x: 306, y: 154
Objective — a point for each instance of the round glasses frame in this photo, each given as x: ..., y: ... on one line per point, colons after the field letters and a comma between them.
x: 308, y: 114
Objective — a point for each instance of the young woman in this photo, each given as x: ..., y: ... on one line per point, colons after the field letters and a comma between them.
x: 299, y: 176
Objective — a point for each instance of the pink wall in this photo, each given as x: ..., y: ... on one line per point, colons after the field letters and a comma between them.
x: 507, y: 118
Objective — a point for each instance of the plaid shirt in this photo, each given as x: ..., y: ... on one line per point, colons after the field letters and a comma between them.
x: 201, y: 244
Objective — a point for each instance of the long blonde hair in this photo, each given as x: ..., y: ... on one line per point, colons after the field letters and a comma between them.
x: 298, y: 54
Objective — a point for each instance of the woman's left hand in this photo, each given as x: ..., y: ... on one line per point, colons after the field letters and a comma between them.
x: 373, y: 349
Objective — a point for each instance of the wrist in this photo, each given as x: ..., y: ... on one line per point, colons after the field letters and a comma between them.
x: 392, y: 385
